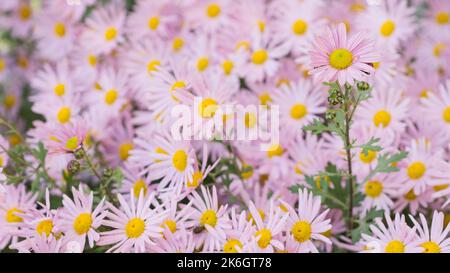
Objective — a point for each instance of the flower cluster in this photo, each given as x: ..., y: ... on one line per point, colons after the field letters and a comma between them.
x: 90, y: 163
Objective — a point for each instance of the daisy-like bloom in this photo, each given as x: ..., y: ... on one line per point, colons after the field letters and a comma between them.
x: 180, y: 242
x: 395, y: 237
x: 174, y: 219
x: 386, y: 110
x: 60, y: 111
x: 135, y: 182
x: 437, y: 21
x: 433, y: 52
x: 336, y: 57
x: 141, y: 60
x: 110, y: 92
x: 54, y: 82
x: 201, y: 54
x: 211, y: 15
x: 16, y: 201
x: 166, y: 159
x: 41, y: 244
x: 66, y: 138
x: 436, y: 108
x: 413, y: 202
x: 268, y: 230
x: 300, y: 103
x: 263, y: 55
x: 297, y: 23
x: 422, y: 168
x: 388, y: 70
x: 209, y: 220
x: 307, y: 223
x: 4, y: 148
x: 78, y: 219
x: 239, y: 235
x: 72, y: 10
x: 135, y: 226
x: 118, y: 143
x: 422, y: 83
x: 21, y: 20
x: 104, y: 29
x: 152, y: 19
x: 378, y: 193
x: 55, y: 35
x: 434, y: 239
x: 389, y: 23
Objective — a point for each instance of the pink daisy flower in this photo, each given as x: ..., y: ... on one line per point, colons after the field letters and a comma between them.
x: 434, y: 239
x: 307, y: 223
x: 336, y: 57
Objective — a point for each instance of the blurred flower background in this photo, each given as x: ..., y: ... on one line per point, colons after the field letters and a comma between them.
x: 88, y: 162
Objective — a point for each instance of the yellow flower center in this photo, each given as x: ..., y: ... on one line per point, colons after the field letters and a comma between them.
x: 341, y: 58
x: 395, y: 246
x: 259, y: 57
x: 10, y: 101
x: 196, y: 177
x: 24, y: 12
x: 64, y: 114
x: 387, y: 28
x: 299, y: 27
x: 357, y: 7
x: 171, y: 224
x: 82, y: 223
x: 261, y: 214
x: 227, y: 66
x: 110, y: 34
x: 376, y: 65
x: 440, y: 187
x: 213, y: 10
x: 2, y: 64
x: 59, y: 89
x: 111, y: 96
x: 382, y: 117
x: 248, y: 173
x: 446, y: 114
x: 153, y: 23
x: 139, y: 186
x: 153, y: 66
x: 92, y: 60
x: 301, y: 231
x: 124, y: 150
x: 243, y: 44
x: 208, y: 108
x: 265, y: 237
x: 250, y: 120
x: 371, y: 155
x: 431, y: 247
x: 179, y: 160
x: 177, y: 44
x: 230, y: 246
x: 298, y: 111
x: 410, y: 195
x: 265, y: 98
x: 72, y: 143
x: 202, y: 64
x: 45, y: 226
x: 209, y: 217
x: 373, y: 188
x: 442, y: 18
x: 11, y: 216
x: 416, y: 170
x: 134, y: 228
x: 275, y: 150
x: 60, y: 30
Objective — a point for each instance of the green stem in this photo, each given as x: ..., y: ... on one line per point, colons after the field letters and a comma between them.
x: 90, y: 164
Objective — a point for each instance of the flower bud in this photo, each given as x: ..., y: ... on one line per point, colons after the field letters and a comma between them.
x: 107, y: 173
x: 73, y: 166
x: 363, y: 86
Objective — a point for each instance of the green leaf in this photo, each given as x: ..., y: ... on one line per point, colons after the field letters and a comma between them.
x: 370, y: 146
x: 385, y: 164
x: 364, y: 224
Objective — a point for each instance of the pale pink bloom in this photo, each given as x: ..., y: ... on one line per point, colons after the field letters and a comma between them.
x: 421, y: 84
x: 41, y: 244
x: 60, y: 111
x: 388, y: 70
x: 435, y: 108
x: 78, y: 219
x: 66, y: 138
x: 413, y: 202
x: 16, y: 202
x: 434, y: 239
x: 209, y: 220
x: 437, y: 18
x: 336, y: 57
x: 394, y: 237
x: 55, y: 35
x: 211, y: 16
x: 104, y: 29
x: 4, y: 148
x: 135, y: 225
x: 175, y: 216
x: 180, y: 242
x: 269, y: 227
x: 21, y: 19
x: 299, y: 104
x: 433, y: 53
x: 378, y: 193
x: 386, y: 110
x: 307, y: 224
x: 389, y: 23
x: 134, y: 182
x: 153, y: 19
